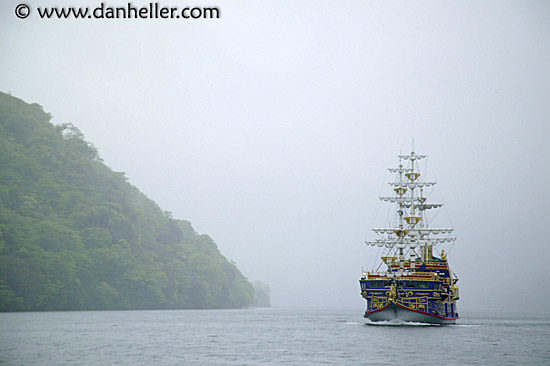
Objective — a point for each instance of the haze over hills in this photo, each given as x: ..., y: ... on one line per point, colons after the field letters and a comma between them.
x: 75, y: 235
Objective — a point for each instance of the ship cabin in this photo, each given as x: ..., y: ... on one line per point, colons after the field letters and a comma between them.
x: 425, y: 286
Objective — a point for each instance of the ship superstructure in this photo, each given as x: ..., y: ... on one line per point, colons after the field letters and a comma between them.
x: 415, y: 285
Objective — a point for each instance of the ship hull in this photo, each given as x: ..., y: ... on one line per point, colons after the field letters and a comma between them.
x: 396, y: 312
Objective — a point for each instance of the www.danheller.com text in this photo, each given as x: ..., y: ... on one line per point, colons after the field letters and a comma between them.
x: 153, y: 10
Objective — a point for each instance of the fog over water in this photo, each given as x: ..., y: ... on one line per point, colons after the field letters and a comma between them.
x: 271, y: 128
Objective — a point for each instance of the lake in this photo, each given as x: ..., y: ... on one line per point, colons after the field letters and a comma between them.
x: 266, y: 336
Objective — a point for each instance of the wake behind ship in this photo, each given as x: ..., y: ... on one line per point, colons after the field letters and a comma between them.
x: 417, y: 285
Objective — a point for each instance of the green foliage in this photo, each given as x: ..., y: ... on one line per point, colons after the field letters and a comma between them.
x: 75, y: 235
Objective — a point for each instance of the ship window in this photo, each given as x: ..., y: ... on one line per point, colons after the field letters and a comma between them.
x: 423, y: 285
x: 378, y: 284
x: 410, y: 284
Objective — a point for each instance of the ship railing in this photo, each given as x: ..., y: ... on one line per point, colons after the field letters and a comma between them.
x: 401, y: 274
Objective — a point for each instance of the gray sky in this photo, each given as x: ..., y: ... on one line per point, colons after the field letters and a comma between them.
x: 271, y: 128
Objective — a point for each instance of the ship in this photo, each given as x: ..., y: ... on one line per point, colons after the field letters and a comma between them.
x: 412, y: 282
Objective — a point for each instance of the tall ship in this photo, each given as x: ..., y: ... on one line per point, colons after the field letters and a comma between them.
x: 412, y: 282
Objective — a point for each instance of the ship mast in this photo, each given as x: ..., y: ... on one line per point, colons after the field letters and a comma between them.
x: 411, y: 230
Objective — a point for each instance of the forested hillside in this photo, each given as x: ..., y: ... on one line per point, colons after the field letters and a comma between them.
x: 76, y: 235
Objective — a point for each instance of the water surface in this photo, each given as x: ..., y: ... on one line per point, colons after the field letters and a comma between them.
x: 266, y: 336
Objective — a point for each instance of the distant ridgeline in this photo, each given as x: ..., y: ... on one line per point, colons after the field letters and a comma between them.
x: 75, y: 235
x: 262, y: 294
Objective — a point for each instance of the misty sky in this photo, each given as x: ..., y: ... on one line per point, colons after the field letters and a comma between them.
x: 271, y: 129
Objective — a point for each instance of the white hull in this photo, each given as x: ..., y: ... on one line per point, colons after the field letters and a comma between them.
x: 393, y: 312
